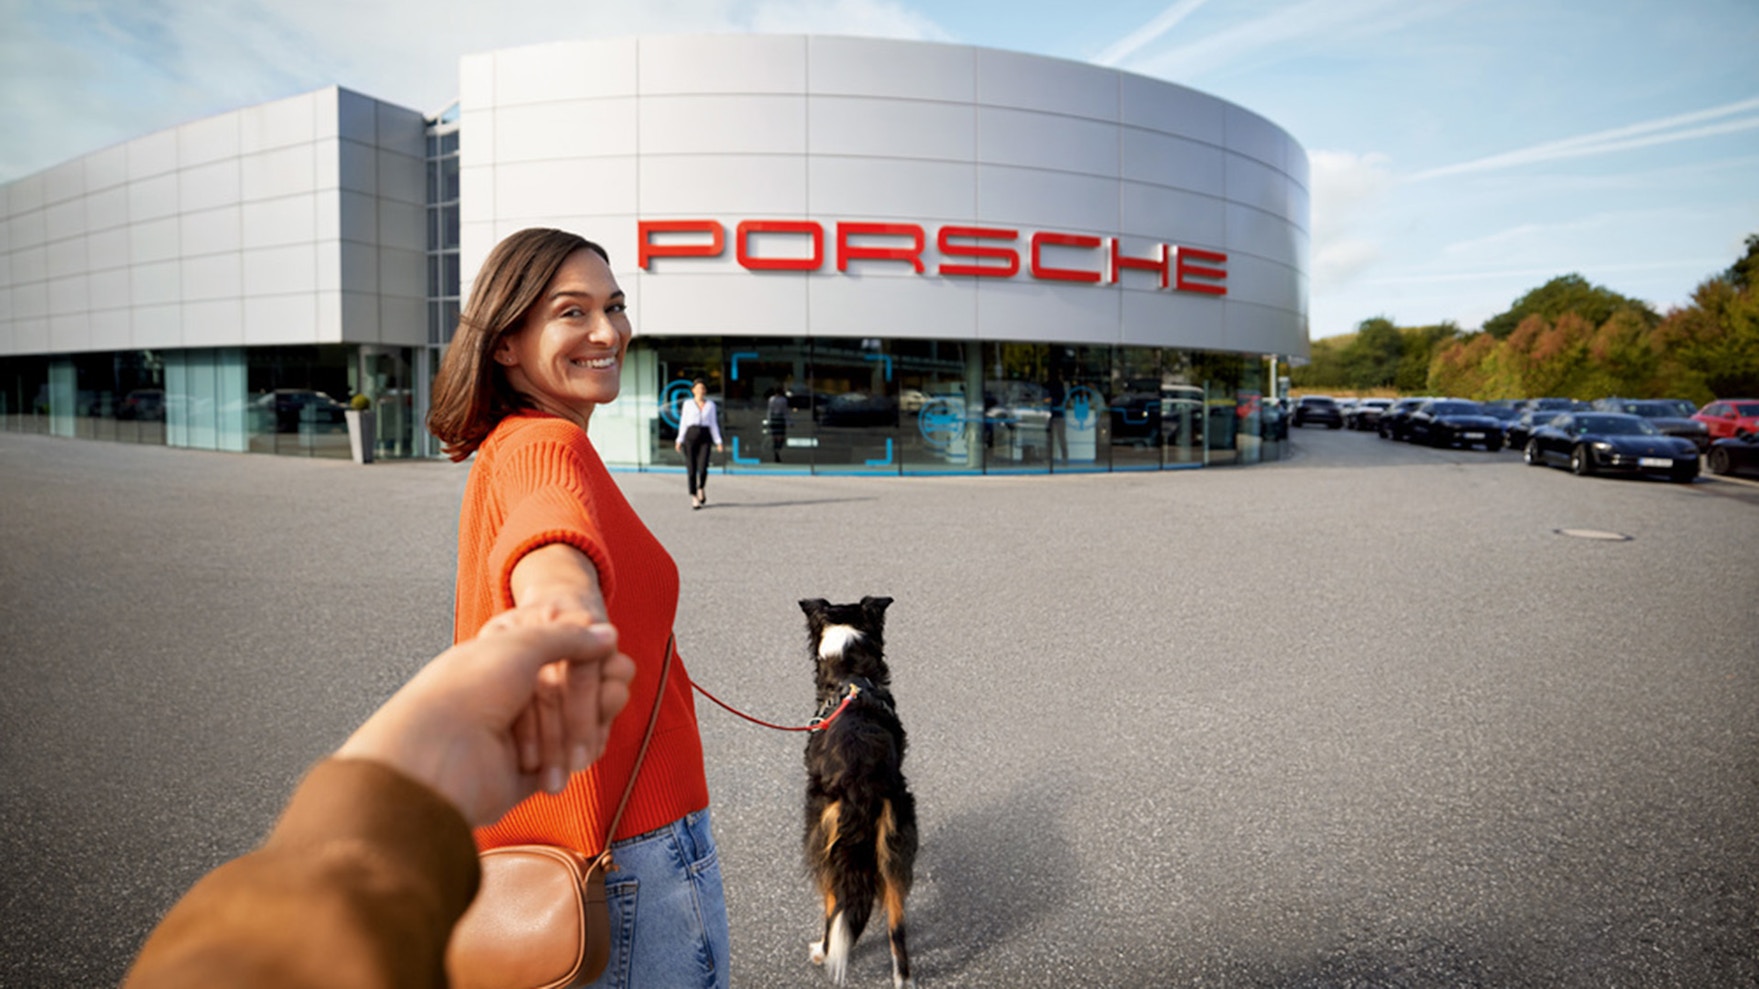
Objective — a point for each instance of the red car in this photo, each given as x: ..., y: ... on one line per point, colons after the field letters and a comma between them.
x: 1727, y: 416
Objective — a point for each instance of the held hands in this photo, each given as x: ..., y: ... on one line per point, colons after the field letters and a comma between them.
x: 456, y: 726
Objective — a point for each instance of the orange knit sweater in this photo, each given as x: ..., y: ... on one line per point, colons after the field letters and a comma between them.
x: 537, y: 480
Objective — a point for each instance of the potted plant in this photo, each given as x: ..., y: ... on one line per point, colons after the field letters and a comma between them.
x: 362, y: 428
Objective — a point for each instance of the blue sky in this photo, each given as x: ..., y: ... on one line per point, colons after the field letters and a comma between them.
x: 1464, y: 151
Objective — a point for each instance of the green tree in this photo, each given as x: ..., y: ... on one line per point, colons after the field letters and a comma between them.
x: 1710, y: 349
x: 1745, y: 271
x: 1459, y: 366
x: 1419, y: 345
x: 1325, y: 365
x: 1371, y: 359
x: 1567, y: 294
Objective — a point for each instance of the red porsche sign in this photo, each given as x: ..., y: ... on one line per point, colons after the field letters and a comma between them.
x: 965, y: 251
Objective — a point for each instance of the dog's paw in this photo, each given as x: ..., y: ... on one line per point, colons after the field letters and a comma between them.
x: 818, y: 952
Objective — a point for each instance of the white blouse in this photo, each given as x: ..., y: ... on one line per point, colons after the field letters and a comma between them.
x: 689, y: 415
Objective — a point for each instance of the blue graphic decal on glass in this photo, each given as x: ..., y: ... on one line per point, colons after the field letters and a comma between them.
x: 672, y: 400
x: 881, y: 462
x: 1078, y: 406
x: 733, y: 359
x: 742, y: 460
x: 887, y: 358
x: 941, y: 422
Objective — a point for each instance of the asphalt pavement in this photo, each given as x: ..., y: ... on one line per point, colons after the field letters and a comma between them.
x: 1361, y: 717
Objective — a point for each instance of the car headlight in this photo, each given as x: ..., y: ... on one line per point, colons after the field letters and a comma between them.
x: 1603, y: 446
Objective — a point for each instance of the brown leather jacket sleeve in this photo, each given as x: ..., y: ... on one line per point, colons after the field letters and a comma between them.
x: 359, y: 884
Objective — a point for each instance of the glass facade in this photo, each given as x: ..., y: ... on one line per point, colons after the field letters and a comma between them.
x: 849, y: 406
x: 281, y: 400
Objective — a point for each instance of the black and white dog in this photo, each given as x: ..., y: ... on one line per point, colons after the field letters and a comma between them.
x: 860, y: 817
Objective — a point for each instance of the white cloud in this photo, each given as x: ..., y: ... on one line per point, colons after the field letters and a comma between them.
x: 77, y: 76
x: 1348, y: 190
x: 868, y: 18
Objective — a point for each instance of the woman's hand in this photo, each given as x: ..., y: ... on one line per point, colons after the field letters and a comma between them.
x: 453, y: 727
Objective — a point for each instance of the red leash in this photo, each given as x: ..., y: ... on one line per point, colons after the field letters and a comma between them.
x: 815, y: 725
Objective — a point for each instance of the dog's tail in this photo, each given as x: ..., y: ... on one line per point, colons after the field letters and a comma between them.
x: 855, y: 890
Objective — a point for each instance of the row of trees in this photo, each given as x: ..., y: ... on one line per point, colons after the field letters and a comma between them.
x: 1567, y: 338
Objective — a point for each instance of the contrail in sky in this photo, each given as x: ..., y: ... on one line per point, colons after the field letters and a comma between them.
x: 1640, y: 135
x: 1126, y: 46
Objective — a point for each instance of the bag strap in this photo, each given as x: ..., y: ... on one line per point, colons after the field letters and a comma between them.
x: 653, y: 718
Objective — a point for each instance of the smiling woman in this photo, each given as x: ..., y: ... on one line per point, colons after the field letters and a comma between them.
x: 539, y: 346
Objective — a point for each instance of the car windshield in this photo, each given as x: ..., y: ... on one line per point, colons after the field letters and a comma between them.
x: 1652, y: 410
x: 1614, y: 426
x: 1746, y: 408
x: 1454, y: 408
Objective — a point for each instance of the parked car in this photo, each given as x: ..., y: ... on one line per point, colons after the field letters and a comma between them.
x: 1450, y: 422
x: 1591, y: 442
x: 1392, y: 421
x: 1738, y: 454
x: 1322, y: 409
x: 1672, y: 416
x: 1727, y: 416
x: 1515, y: 434
x: 1554, y: 404
x: 1366, y: 413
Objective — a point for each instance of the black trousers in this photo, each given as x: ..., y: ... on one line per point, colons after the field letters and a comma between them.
x: 697, y: 444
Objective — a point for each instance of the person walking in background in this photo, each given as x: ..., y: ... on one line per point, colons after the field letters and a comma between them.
x: 698, y: 425
x: 776, y: 418
x: 539, y: 347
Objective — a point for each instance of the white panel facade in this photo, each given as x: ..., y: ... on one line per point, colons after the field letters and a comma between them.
x: 733, y: 186
x: 846, y: 126
x: 174, y: 237
x: 305, y: 220
x: 863, y: 130
x: 892, y: 70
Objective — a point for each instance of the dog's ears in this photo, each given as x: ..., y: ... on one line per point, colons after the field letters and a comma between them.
x: 814, y: 606
x: 875, y: 606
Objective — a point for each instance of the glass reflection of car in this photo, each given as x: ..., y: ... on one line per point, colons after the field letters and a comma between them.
x: 144, y: 404
x: 1322, y: 409
x: 1450, y: 422
x: 859, y: 409
x: 291, y: 407
x: 1593, y: 442
x: 1392, y: 421
x: 1737, y: 454
x: 1664, y: 414
x: 1727, y: 416
x: 1366, y: 413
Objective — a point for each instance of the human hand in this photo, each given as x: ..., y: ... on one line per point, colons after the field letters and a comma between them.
x: 452, y: 727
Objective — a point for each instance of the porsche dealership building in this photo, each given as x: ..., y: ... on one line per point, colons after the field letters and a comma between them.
x: 883, y: 256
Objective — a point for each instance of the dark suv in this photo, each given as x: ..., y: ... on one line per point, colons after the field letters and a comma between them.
x: 1319, y: 409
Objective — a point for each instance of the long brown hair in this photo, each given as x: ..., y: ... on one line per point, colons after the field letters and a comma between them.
x: 471, y: 392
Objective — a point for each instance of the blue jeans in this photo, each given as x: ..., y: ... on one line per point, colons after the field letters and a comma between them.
x: 668, y: 911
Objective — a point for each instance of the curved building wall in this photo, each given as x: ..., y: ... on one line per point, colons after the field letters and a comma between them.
x: 602, y: 136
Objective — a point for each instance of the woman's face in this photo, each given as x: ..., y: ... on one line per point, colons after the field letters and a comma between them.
x: 699, y: 390
x: 567, y: 355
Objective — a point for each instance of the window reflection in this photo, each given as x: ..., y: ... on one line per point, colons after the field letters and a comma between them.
x: 939, y: 406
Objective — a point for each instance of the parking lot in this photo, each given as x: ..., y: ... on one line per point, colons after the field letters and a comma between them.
x: 1364, y: 716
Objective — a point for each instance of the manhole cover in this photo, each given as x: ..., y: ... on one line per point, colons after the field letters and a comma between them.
x: 1602, y: 534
